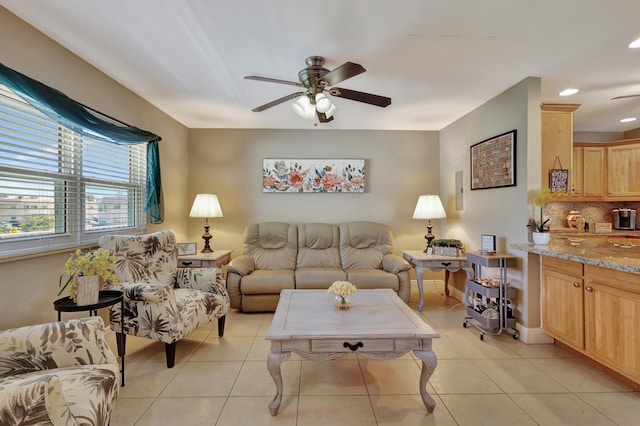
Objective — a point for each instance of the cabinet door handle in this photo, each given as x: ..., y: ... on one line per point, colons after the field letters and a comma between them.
x: 186, y: 263
x: 576, y: 284
x: 445, y: 263
x: 588, y: 288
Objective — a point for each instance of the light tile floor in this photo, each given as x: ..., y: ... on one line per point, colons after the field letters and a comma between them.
x: 498, y: 381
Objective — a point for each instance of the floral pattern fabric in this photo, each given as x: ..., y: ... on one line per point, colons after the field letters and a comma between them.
x: 162, y: 302
x: 62, y: 373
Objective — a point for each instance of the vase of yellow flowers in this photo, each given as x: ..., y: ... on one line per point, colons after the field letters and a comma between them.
x: 342, y: 290
x: 84, y: 272
x: 541, y: 233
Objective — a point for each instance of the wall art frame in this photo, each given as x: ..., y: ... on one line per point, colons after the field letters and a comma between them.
x: 493, y: 162
x: 313, y: 175
x: 187, y: 248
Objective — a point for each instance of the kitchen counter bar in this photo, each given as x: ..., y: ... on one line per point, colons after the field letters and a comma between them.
x: 619, y: 257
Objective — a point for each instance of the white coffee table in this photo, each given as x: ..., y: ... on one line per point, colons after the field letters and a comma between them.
x: 379, y: 325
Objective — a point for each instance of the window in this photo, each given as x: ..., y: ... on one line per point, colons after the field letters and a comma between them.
x: 60, y: 189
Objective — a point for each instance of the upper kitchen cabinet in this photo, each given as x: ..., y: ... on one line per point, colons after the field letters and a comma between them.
x: 623, y: 172
x: 557, y: 137
x: 588, y: 173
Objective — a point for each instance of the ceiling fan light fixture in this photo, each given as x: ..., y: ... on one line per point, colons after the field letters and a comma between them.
x: 331, y: 111
x: 568, y: 92
x: 300, y: 105
x: 635, y: 44
x: 323, y: 104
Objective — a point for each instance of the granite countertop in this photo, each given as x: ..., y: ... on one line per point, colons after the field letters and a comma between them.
x: 599, y: 253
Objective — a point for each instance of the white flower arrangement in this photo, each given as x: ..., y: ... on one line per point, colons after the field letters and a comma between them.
x: 342, y: 288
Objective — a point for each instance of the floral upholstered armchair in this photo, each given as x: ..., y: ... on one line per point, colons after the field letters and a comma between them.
x: 161, y: 301
x: 60, y: 373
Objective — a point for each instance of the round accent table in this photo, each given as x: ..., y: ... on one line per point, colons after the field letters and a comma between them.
x: 105, y: 298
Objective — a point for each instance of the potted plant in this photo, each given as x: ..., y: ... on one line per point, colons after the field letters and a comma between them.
x: 447, y: 247
x: 541, y: 233
x: 84, y: 271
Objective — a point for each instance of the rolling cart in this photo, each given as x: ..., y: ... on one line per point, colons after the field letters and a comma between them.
x: 477, y: 293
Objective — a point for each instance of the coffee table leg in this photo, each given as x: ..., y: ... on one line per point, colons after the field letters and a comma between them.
x: 429, y: 362
x: 274, y: 362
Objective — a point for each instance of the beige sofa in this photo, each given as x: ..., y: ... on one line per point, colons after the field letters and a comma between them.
x: 279, y: 256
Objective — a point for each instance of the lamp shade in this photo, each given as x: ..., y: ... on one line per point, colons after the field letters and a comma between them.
x: 206, y: 205
x: 429, y: 207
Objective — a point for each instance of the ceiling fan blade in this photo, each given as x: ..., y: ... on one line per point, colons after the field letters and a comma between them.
x: 367, y: 98
x: 343, y: 72
x: 322, y: 117
x: 624, y: 97
x: 273, y: 80
x: 277, y: 101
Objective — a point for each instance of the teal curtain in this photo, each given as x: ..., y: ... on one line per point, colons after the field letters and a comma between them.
x: 154, y: 203
x: 91, y: 123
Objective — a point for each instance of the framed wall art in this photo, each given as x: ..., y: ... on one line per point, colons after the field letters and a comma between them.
x: 493, y: 162
x: 187, y: 248
x: 333, y: 175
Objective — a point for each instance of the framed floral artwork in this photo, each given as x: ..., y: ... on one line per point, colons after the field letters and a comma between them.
x: 326, y: 175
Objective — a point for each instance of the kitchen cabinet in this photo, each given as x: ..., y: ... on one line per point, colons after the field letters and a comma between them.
x: 588, y: 173
x: 623, y: 171
x: 562, y: 301
x: 612, y: 314
x: 595, y: 311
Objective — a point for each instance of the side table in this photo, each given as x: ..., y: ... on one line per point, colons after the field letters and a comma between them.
x: 215, y: 259
x: 105, y: 298
x: 422, y: 261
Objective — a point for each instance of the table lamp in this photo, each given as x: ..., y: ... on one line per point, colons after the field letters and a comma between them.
x: 206, y: 205
x: 429, y: 207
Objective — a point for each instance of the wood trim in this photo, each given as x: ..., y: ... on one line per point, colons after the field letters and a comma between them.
x: 559, y: 107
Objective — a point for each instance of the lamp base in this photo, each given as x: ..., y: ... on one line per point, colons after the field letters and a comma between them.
x: 206, y: 237
x: 429, y: 237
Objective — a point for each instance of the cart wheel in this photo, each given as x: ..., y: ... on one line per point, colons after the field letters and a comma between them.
x: 516, y: 336
x: 464, y: 324
x: 482, y: 337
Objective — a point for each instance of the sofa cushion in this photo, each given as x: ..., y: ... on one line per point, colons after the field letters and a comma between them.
x: 271, y: 245
x: 318, y: 245
x: 317, y: 278
x: 373, y: 278
x: 264, y: 281
x: 364, y: 244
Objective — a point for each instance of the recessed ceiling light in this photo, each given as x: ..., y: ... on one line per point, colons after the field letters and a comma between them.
x: 635, y: 44
x: 626, y: 120
x: 568, y: 92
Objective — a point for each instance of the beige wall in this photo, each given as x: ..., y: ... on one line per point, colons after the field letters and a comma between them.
x: 29, y: 286
x: 399, y: 166
x: 503, y: 212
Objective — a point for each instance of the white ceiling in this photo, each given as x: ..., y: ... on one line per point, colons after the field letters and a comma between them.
x: 436, y: 59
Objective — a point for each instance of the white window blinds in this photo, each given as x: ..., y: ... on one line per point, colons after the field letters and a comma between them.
x: 60, y: 189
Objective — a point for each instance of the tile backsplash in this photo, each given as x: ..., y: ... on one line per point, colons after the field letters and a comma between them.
x: 591, y: 211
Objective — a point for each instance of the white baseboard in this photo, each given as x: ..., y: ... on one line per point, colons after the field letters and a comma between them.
x: 533, y: 336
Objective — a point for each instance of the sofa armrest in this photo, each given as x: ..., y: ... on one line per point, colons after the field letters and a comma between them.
x: 394, y: 264
x: 53, y: 345
x: 34, y: 400
x: 241, y: 265
x: 205, y: 279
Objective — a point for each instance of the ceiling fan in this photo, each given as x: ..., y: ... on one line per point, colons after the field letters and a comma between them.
x: 624, y: 97
x: 316, y: 81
